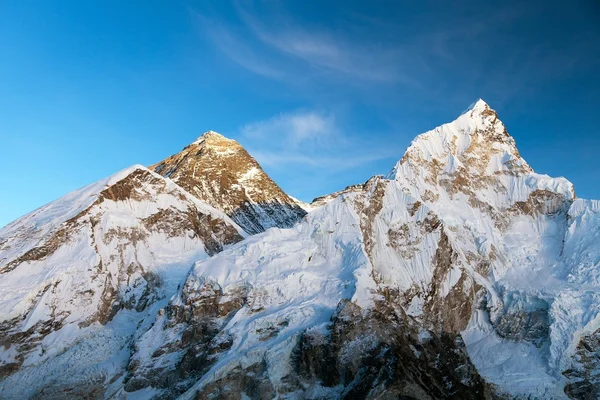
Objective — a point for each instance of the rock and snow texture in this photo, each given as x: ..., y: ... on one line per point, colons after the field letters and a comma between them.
x: 462, y: 274
x: 220, y: 172
x: 300, y: 313
x: 535, y: 247
x: 463, y: 238
x: 113, y: 248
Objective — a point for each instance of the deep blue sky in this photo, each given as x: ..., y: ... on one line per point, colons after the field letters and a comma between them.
x: 323, y: 93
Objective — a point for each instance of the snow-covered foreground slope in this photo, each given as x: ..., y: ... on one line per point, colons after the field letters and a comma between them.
x: 78, y: 274
x: 462, y: 274
x: 269, y: 287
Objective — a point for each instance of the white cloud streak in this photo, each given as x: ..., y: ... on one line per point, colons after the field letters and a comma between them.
x: 288, y: 52
x: 306, y: 128
x: 237, y: 50
x: 267, y: 41
x: 312, y: 139
x: 326, y: 51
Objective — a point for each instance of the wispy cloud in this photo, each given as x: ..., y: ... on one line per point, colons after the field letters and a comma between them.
x: 324, y: 50
x: 236, y: 49
x: 405, y: 56
x: 313, y: 139
x: 285, y: 50
x: 298, y: 128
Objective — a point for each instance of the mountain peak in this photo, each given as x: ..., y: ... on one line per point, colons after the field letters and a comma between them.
x: 220, y: 171
x: 477, y: 106
x: 474, y: 156
x: 212, y: 137
x: 476, y: 133
x: 482, y: 110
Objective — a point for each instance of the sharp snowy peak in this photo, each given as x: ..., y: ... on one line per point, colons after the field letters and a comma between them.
x: 220, y: 172
x: 475, y: 159
x: 110, y: 250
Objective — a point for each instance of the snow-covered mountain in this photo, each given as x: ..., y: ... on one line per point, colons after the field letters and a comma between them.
x: 220, y: 172
x: 461, y: 274
x: 77, y: 275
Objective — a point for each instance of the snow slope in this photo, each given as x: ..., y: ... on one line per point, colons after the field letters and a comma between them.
x: 70, y: 266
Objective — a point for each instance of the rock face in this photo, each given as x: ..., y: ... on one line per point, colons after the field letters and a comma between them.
x: 584, y: 376
x: 462, y: 274
x: 220, y: 172
x: 395, y: 360
x: 69, y: 267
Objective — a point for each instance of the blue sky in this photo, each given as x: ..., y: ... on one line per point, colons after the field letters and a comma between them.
x: 323, y: 93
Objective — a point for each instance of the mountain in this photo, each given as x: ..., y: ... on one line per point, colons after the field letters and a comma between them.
x: 220, y: 172
x: 431, y: 283
x: 461, y: 274
x: 79, y: 274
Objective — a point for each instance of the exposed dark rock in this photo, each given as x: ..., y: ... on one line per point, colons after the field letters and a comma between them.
x: 519, y: 326
x: 543, y: 202
x: 239, y: 384
x: 584, y: 374
x: 382, y: 355
x: 205, y: 309
x: 452, y: 312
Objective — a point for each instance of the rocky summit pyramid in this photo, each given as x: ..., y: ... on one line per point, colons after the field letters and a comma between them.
x: 461, y: 274
x: 220, y: 172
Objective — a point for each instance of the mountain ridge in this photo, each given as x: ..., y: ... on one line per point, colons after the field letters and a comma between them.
x: 432, y: 282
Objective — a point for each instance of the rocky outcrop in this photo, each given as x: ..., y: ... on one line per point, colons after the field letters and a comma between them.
x: 193, y: 340
x: 384, y: 354
x: 520, y: 326
x: 584, y: 374
x: 362, y: 355
x: 220, y: 172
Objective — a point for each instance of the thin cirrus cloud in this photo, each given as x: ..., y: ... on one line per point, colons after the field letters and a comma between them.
x: 229, y: 43
x: 326, y: 51
x: 299, y: 128
x: 311, y: 139
x: 411, y: 57
x: 291, y: 53
x: 288, y: 51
